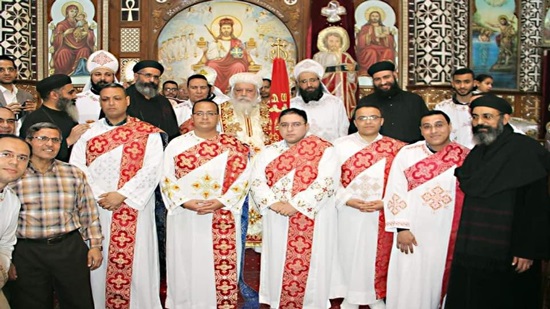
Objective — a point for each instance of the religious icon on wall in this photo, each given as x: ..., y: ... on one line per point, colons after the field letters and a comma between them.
x: 228, y: 36
x: 495, y: 41
x: 72, y: 34
x: 375, y: 36
x: 340, y: 68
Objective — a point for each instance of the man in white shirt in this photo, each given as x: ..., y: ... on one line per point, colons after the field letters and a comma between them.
x: 458, y: 107
x: 14, y: 158
x: 102, y: 66
x: 327, y: 115
x: 19, y: 101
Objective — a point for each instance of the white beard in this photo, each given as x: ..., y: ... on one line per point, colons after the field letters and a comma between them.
x: 244, y: 106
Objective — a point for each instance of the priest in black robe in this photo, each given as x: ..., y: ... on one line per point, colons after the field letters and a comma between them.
x: 146, y: 103
x: 58, y: 107
x: 402, y: 109
x: 504, y: 229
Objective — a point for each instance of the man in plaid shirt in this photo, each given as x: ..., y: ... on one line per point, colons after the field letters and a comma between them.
x: 58, y: 214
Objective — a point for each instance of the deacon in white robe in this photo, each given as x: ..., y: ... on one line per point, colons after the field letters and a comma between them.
x: 104, y: 176
x: 363, y: 244
x: 201, y: 272
x: 422, y: 206
x: 294, y: 184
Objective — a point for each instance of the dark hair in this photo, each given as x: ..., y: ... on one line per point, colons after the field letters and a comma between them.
x: 9, y: 58
x: 482, y: 77
x: 169, y: 82
x: 116, y: 86
x: 463, y: 71
x: 16, y: 138
x: 293, y: 111
x: 435, y: 112
x: 266, y: 80
x: 196, y: 76
x: 42, y: 125
x: 366, y: 105
x: 208, y: 101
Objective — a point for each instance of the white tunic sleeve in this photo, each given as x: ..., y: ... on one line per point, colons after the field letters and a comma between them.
x: 260, y: 191
x: 323, y: 188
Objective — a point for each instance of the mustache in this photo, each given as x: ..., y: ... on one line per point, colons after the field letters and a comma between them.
x: 477, y: 128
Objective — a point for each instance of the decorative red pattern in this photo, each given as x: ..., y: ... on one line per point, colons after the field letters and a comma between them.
x: 207, y: 150
x: 304, y: 157
x: 368, y: 156
x: 298, y: 257
x: 435, y: 165
x: 355, y: 165
x: 224, y: 242
x: 133, y: 136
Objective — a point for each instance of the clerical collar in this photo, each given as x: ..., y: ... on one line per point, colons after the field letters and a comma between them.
x: 116, y: 124
x: 457, y: 102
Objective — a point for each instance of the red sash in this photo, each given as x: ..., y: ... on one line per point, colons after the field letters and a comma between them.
x: 429, y: 168
x: 133, y: 135
x: 224, y: 238
x: 303, y: 157
x: 365, y: 158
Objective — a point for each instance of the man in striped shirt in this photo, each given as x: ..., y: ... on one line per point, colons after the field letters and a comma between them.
x: 58, y: 214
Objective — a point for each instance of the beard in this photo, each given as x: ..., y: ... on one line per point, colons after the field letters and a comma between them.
x: 149, y: 90
x: 96, y: 87
x: 488, y: 137
x: 394, y: 88
x: 311, y: 94
x: 244, y: 105
x: 69, y: 107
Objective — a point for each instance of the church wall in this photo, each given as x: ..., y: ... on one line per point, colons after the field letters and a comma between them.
x: 435, y: 39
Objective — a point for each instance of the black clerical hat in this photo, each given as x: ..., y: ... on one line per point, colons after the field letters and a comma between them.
x: 50, y: 83
x: 148, y: 64
x: 381, y: 66
x: 493, y: 101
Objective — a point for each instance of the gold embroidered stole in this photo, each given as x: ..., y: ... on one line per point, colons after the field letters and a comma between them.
x: 224, y: 238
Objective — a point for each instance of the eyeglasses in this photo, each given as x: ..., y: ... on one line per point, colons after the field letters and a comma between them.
x: 8, y: 120
x: 149, y: 76
x: 208, y: 114
x: 437, y: 125
x: 369, y: 118
x: 286, y: 125
x: 310, y: 80
x: 11, y: 155
x: 487, y: 116
x: 45, y: 139
x: 170, y: 89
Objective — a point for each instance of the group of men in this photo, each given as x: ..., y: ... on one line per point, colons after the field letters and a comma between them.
x: 362, y: 217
